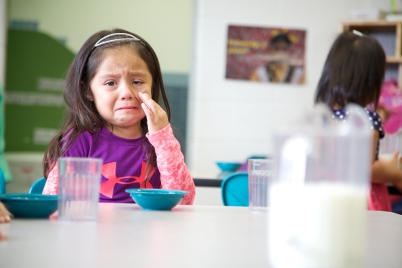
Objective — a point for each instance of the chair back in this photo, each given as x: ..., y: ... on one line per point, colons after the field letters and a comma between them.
x: 37, y: 186
x: 235, y: 189
x: 2, y: 182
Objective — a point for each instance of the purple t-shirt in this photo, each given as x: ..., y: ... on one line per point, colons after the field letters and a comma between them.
x: 123, y: 163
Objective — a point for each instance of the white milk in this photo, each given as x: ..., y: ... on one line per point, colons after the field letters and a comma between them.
x: 317, y: 225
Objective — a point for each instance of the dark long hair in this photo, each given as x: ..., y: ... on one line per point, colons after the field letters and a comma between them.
x: 353, y: 72
x: 81, y: 113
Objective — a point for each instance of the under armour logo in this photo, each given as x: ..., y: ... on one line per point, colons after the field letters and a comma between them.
x: 109, y: 172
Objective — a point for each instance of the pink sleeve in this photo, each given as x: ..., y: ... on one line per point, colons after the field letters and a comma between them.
x: 170, y: 161
x: 52, y: 181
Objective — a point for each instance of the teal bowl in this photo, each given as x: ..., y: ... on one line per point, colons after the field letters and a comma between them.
x: 228, y: 166
x: 29, y: 205
x: 156, y: 199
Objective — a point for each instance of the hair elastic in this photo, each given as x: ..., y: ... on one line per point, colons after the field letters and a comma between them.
x: 126, y: 37
x: 357, y: 33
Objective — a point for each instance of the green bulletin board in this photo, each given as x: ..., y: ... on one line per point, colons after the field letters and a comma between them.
x: 36, y: 65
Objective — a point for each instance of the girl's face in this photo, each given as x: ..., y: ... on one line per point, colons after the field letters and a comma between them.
x: 120, y: 77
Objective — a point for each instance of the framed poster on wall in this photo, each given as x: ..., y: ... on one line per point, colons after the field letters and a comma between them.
x: 273, y: 55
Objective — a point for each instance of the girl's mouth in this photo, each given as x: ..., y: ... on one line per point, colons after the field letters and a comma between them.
x: 127, y: 108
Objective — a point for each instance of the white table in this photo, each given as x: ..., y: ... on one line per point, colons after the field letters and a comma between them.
x: 188, y: 236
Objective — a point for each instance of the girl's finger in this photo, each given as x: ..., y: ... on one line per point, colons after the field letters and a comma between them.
x: 4, y: 214
x: 54, y: 215
x: 4, y: 218
x: 148, y: 112
x: 150, y: 103
x: 3, y: 236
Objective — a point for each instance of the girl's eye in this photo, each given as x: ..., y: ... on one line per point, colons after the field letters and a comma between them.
x: 110, y: 83
x: 137, y: 82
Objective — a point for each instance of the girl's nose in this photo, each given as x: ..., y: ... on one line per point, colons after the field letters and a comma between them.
x: 127, y: 93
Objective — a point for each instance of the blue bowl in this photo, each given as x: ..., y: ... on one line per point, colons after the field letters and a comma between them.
x: 156, y: 199
x: 29, y: 205
x: 228, y: 166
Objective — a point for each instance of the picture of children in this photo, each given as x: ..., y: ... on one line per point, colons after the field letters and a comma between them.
x: 280, y: 67
x: 265, y: 54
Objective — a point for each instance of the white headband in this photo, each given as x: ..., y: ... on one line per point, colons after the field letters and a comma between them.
x: 126, y: 37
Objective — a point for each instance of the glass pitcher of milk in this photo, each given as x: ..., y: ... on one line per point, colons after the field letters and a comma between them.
x: 318, y: 196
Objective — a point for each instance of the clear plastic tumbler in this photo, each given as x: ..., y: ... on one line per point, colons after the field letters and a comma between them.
x: 259, y: 174
x: 79, y: 182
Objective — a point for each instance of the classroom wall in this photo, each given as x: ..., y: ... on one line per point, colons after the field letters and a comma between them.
x: 166, y: 25
x: 229, y: 120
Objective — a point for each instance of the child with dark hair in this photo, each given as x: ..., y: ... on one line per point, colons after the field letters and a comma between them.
x: 113, y: 91
x: 353, y: 73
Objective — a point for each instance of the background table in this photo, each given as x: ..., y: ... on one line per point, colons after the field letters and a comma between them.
x: 208, y: 188
x: 188, y: 236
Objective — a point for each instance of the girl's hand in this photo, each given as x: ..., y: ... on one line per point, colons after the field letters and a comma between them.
x: 4, y: 217
x: 156, y: 116
x: 394, y: 164
x: 54, y: 215
x: 3, y: 236
x: 4, y: 214
x: 395, y: 161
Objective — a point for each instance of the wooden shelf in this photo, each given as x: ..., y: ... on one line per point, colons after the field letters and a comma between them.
x: 394, y: 60
x: 371, y: 23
